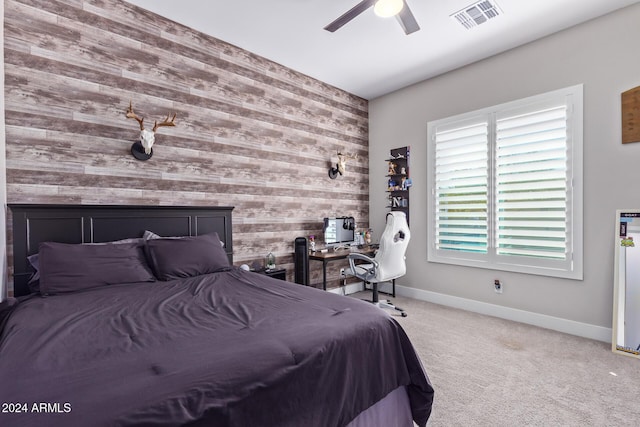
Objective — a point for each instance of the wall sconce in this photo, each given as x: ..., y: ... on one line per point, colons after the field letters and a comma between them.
x: 340, y: 166
x: 141, y: 150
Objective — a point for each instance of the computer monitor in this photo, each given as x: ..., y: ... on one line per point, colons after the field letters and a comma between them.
x: 339, y: 231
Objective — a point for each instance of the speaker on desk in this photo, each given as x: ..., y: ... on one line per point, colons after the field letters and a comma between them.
x: 301, y: 260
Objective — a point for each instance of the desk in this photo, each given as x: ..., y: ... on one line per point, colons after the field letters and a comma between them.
x: 332, y: 255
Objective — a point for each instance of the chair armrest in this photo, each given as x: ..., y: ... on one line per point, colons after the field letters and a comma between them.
x: 370, y: 273
x: 361, y: 257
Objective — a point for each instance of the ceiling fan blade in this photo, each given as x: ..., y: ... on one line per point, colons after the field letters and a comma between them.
x: 349, y: 15
x: 407, y: 20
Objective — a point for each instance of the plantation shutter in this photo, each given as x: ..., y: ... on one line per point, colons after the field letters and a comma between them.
x: 506, y: 186
x: 461, y: 187
x: 531, y: 183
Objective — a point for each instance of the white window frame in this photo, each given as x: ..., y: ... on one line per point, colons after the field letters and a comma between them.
x: 572, y: 266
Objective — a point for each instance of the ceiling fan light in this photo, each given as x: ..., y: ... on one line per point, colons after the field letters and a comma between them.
x: 388, y: 8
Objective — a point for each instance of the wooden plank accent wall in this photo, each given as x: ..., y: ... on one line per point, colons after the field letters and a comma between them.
x: 250, y: 133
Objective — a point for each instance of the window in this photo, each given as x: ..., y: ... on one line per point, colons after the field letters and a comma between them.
x: 506, y: 186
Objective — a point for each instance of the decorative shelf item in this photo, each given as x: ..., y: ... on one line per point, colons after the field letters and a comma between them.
x: 398, y: 180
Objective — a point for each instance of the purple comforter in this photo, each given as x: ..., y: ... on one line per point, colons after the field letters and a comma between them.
x: 225, y: 349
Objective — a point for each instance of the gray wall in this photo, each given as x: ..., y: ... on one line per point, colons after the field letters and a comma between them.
x: 603, y: 55
x: 250, y: 133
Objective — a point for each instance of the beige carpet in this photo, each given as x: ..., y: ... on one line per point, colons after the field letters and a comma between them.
x: 488, y: 371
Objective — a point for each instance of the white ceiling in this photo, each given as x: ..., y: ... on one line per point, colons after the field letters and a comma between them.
x: 371, y: 56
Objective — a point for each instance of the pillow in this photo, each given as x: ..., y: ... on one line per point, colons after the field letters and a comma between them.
x: 34, y: 280
x: 137, y: 240
x: 186, y: 257
x: 148, y: 235
x: 68, y: 267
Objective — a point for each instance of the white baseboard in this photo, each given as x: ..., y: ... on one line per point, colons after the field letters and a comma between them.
x: 566, y: 326
x: 585, y: 330
x: 351, y: 288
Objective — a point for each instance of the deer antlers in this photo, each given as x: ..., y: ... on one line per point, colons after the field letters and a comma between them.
x: 345, y: 156
x: 142, y: 150
x: 165, y: 122
x: 132, y: 115
x: 341, y: 165
x: 156, y: 125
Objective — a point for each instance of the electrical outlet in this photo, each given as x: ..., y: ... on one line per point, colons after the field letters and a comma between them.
x: 343, y: 275
x: 497, y: 286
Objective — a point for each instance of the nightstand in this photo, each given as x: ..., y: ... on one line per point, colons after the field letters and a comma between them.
x: 278, y: 273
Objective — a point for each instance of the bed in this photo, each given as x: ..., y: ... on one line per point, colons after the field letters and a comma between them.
x: 123, y: 327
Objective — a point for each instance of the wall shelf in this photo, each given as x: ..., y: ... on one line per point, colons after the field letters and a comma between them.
x: 398, y: 181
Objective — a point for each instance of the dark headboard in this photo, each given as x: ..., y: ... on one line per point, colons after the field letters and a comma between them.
x: 33, y: 224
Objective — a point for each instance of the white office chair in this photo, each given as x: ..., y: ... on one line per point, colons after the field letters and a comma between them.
x: 389, y: 262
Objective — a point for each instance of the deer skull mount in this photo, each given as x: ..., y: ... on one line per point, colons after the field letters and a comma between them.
x: 340, y: 166
x: 142, y: 150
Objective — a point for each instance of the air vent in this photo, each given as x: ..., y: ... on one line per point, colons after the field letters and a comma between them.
x: 477, y: 13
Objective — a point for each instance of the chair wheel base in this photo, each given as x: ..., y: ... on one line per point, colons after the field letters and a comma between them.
x: 387, y: 304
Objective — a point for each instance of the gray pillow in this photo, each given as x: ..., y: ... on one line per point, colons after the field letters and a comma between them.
x: 148, y: 235
x: 186, y: 257
x: 67, y: 267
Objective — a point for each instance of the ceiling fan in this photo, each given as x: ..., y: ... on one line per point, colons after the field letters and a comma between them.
x: 385, y: 8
